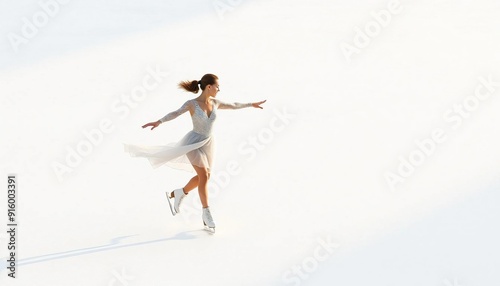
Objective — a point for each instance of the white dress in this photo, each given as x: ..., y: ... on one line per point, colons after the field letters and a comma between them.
x: 195, y: 148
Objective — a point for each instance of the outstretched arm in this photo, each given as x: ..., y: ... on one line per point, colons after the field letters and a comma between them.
x: 236, y: 105
x: 168, y: 117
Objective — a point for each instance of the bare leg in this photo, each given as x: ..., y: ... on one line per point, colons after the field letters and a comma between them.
x: 193, y: 183
x: 201, y: 184
x: 203, y: 176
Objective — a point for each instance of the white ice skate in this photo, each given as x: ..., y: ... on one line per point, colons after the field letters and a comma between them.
x: 178, y: 197
x: 208, y: 221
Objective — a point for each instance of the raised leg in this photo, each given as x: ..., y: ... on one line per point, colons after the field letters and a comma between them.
x: 193, y: 183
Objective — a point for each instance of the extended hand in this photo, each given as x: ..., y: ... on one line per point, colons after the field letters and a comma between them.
x: 257, y: 104
x: 154, y: 124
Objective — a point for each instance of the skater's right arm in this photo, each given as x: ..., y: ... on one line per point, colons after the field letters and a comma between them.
x: 172, y: 115
x: 175, y: 114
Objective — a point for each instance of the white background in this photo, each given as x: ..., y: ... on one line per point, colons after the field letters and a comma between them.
x: 313, y: 175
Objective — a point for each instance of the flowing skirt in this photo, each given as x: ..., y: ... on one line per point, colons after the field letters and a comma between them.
x: 193, y: 149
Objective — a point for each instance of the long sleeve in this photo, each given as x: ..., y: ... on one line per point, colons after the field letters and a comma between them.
x: 232, y: 105
x: 175, y: 114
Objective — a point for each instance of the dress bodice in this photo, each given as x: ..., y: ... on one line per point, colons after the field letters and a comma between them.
x: 202, y: 123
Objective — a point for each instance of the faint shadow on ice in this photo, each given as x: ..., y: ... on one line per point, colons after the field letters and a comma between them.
x: 114, y: 243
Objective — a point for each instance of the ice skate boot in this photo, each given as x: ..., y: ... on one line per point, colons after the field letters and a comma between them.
x: 208, y: 221
x: 178, y: 196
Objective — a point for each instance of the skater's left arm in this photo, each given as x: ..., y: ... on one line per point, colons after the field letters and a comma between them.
x: 237, y: 105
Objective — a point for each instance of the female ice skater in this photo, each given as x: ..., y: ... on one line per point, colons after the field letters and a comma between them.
x: 197, y: 146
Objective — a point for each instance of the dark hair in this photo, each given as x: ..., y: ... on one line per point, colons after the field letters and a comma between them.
x: 192, y: 86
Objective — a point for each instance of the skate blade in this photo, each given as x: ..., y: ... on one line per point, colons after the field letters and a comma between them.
x: 170, y: 204
x: 210, y: 230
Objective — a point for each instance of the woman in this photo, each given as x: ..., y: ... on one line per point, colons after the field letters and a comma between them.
x: 196, y: 146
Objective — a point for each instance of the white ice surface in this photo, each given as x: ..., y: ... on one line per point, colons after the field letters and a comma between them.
x: 317, y: 175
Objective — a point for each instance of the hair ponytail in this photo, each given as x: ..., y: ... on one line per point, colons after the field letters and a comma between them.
x: 192, y: 86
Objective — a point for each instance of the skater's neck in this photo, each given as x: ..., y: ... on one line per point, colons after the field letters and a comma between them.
x: 204, y: 97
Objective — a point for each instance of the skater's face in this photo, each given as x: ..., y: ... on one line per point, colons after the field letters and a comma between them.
x: 214, y: 88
